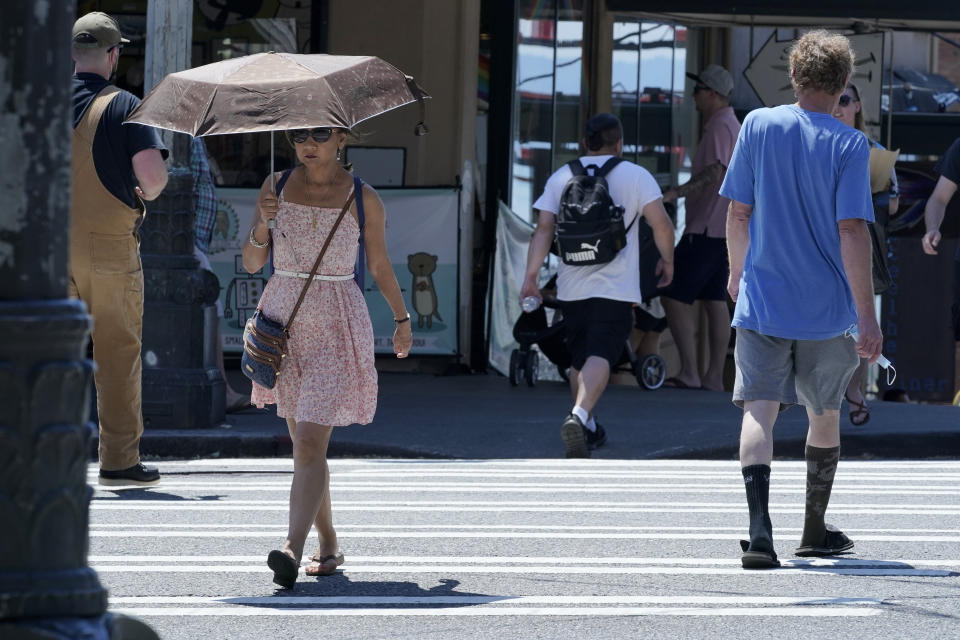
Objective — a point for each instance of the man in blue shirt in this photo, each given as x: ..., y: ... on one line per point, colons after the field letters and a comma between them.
x: 800, y: 275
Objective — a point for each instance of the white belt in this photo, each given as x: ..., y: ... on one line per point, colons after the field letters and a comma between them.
x: 319, y: 276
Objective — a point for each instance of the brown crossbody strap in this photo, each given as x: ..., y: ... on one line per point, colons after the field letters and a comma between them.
x: 316, y: 265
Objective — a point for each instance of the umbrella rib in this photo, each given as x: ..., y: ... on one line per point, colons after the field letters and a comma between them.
x: 206, y: 112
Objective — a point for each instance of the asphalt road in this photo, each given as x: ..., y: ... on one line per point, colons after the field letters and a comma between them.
x: 533, y: 549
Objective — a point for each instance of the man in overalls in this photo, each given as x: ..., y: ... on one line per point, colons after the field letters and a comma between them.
x: 115, y: 168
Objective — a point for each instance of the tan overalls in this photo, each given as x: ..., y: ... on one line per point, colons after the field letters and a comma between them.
x: 105, y: 272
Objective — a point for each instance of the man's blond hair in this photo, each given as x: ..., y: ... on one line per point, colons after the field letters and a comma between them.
x: 821, y: 61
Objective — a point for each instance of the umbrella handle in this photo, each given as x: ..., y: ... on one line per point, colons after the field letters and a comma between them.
x: 272, y: 222
x: 421, y: 128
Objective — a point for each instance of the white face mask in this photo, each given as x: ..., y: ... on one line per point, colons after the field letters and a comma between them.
x: 882, y: 361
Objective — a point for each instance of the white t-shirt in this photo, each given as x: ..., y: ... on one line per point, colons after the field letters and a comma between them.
x: 631, y: 187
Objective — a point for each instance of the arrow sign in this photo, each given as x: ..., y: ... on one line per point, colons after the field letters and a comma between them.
x: 868, y: 48
x: 769, y: 72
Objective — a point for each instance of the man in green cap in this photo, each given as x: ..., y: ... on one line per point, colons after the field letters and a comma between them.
x: 115, y: 168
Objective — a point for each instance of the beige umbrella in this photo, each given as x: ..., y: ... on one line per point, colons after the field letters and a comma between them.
x: 276, y: 91
x: 272, y: 91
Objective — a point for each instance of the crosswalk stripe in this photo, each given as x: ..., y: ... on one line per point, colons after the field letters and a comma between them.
x: 526, y: 464
x: 550, y: 535
x: 168, y: 526
x: 202, y: 501
x: 515, y: 507
x: 489, y: 610
x: 559, y: 488
x: 392, y: 475
x: 537, y: 569
x: 800, y: 563
x: 278, y: 601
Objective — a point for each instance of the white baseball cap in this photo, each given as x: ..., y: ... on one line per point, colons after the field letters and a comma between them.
x: 715, y: 77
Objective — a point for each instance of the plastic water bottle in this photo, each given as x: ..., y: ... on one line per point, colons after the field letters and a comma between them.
x: 530, y: 304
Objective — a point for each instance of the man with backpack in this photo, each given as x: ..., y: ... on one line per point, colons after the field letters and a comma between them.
x: 591, y: 208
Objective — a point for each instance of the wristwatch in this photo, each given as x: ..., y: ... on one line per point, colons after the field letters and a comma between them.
x: 402, y: 320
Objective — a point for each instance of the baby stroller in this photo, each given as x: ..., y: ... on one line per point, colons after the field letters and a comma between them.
x: 650, y: 370
x: 532, y: 328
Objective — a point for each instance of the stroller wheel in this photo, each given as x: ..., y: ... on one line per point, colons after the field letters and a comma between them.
x: 650, y: 371
x: 532, y: 368
x: 516, y: 364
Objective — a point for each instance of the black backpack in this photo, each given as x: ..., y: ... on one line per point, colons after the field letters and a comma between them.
x: 589, y: 225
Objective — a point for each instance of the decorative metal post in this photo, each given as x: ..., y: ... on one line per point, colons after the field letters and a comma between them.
x: 47, y: 591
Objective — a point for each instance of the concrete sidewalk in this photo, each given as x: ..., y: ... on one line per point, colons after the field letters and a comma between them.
x: 482, y: 417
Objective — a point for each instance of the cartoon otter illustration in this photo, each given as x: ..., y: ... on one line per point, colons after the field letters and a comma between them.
x: 422, y: 265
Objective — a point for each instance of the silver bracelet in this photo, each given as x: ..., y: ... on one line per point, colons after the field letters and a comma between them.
x: 258, y: 245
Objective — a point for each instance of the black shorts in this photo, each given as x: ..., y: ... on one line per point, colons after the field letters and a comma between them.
x: 700, y: 269
x: 597, y: 327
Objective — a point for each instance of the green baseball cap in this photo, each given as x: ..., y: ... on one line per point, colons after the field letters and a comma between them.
x: 97, y: 29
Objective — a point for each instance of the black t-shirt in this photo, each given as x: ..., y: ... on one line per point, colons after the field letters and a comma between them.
x: 949, y: 168
x: 115, y: 143
x: 949, y: 165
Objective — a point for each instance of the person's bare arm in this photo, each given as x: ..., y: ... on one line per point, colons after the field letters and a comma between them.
x: 738, y: 242
x: 856, y: 250
x: 710, y: 175
x: 151, y: 173
x: 537, y: 252
x: 380, y: 267
x: 266, y: 208
x: 933, y: 213
x: 663, y: 237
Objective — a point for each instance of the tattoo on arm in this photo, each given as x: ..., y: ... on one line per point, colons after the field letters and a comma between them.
x: 709, y: 176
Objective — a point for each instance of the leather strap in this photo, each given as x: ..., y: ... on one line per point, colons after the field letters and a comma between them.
x: 316, y: 265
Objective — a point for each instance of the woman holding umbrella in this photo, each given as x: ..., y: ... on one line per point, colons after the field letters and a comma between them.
x: 328, y: 378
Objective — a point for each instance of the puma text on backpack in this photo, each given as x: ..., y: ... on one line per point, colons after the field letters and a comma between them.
x: 589, y: 225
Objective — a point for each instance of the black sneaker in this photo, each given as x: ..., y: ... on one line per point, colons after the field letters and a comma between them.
x: 139, y: 474
x: 572, y: 433
x: 595, y: 439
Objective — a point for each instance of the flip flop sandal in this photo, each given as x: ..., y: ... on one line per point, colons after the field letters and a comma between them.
x: 757, y: 559
x: 859, y: 412
x: 834, y: 543
x: 322, y: 561
x: 284, y: 568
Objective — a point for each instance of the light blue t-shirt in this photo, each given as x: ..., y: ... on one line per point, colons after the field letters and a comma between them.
x: 803, y: 172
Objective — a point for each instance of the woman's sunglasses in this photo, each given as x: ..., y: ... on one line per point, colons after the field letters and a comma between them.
x: 845, y: 100
x: 319, y: 135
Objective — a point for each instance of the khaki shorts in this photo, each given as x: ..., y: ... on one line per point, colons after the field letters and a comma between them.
x: 813, y: 373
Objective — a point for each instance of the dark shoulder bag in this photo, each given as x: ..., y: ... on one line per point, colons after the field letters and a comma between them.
x: 265, y: 339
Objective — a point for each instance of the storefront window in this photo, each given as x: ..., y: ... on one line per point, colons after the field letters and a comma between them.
x: 547, y: 120
x: 649, y: 63
x: 568, y: 119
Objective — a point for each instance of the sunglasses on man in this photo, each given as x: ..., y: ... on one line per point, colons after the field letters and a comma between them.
x: 319, y: 135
